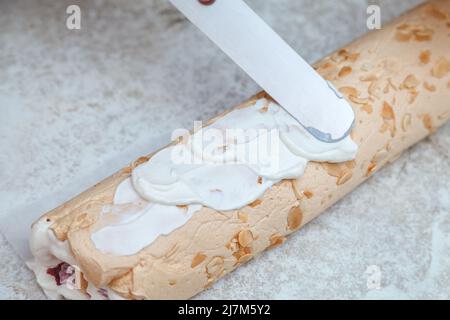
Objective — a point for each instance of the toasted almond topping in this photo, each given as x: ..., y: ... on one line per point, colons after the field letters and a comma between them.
x: 260, y: 180
x: 276, y: 240
x: 410, y: 82
x: 403, y: 36
x: 374, y: 89
x: 308, y: 194
x: 245, y: 258
x: 255, y: 203
x: 350, y: 164
x: 425, y: 56
x: 406, y: 122
x: 403, y: 26
x: 140, y: 161
x: 381, y: 155
x: 297, y: 192
x: 215, y: 266
x: 436, y: 13
x: 430, y: 87
x: 441, y: 68
x: 428, y: 122
x: 422, y: 36
x: 199, y: 258
x: 345, y: 71
x: 367, y: 108
x: 127, y: 170
x: 349, y: 91
x: 359, y: 100
x: 387, y: 112
x: 344, y: 178
x: 370, y: 77
x: 371, y: 168
x: 333, y: 169
x: 245, y: 237
x: 242, y: 216
x: 172, y: 282
x: 413, y: 94
x: 294, y: 219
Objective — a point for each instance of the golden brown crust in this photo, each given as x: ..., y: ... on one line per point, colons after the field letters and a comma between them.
x: 398, y: 82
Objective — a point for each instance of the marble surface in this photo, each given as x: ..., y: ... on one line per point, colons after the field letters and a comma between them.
x: 71, y: 100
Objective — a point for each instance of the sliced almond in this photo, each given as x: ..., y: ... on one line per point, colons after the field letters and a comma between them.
x: 245, y: 258
x: 410, y: 82
x: 255, y: 203
x: 344, y: 178
x: 242, y: 216
x: 406, y: 122
x: 436, y: 13
x: 308, y: 194
x: 345, y: 71
x: 215, y: 266
x: 297, y: 192
x: 276, y: 240
x: 403, y: 35
x: 199, y: 258
x: 294, y: 219
x: 428, y: 122
x: 371, y: 168
x: 349, y: 91
x: 424, y: 56
x: 441, y: 68
x: 367, y: 108
x: 430, y: 87
x: 245, y: 237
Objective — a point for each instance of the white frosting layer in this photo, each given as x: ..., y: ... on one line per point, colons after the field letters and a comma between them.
x: 229, y: 173
x: 223, y: 174
x: 48, y: 252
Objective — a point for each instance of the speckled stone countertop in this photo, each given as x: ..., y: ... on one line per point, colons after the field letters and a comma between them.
x: 71, y: 100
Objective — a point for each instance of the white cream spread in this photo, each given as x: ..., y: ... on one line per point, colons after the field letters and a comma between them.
x: 48, y: 252
x: 214, y: 170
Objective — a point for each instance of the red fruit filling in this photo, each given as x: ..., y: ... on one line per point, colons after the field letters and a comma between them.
x: 61, y: 272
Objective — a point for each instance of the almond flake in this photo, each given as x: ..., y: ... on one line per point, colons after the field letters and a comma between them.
x: 255, y: 203
x: 344, y: 178
x: 429, y: 86
x: 367, y: 108
x: 294, y: 219
x: 345, y: 71
x: 243, y: 216
x: 297, y: 193
x: 406, y: 122
x: 441, y: 68
x: 428, y: 122
x: 410, y: 82
x: 333, y: 169
x: 436, y: 13
x: 245, y: 237
x: 371, y: 168
x: 199, y: 258
x: 276, y: 240
x: 245, y: 258
x: 425, y: 56
x: 359, y: 100
x: 403, y: 36
x: 308, y: 194
x: 215, y: 266
x: 349, y: 91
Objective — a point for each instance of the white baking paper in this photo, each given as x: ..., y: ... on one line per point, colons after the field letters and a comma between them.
x: 15, y: 225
